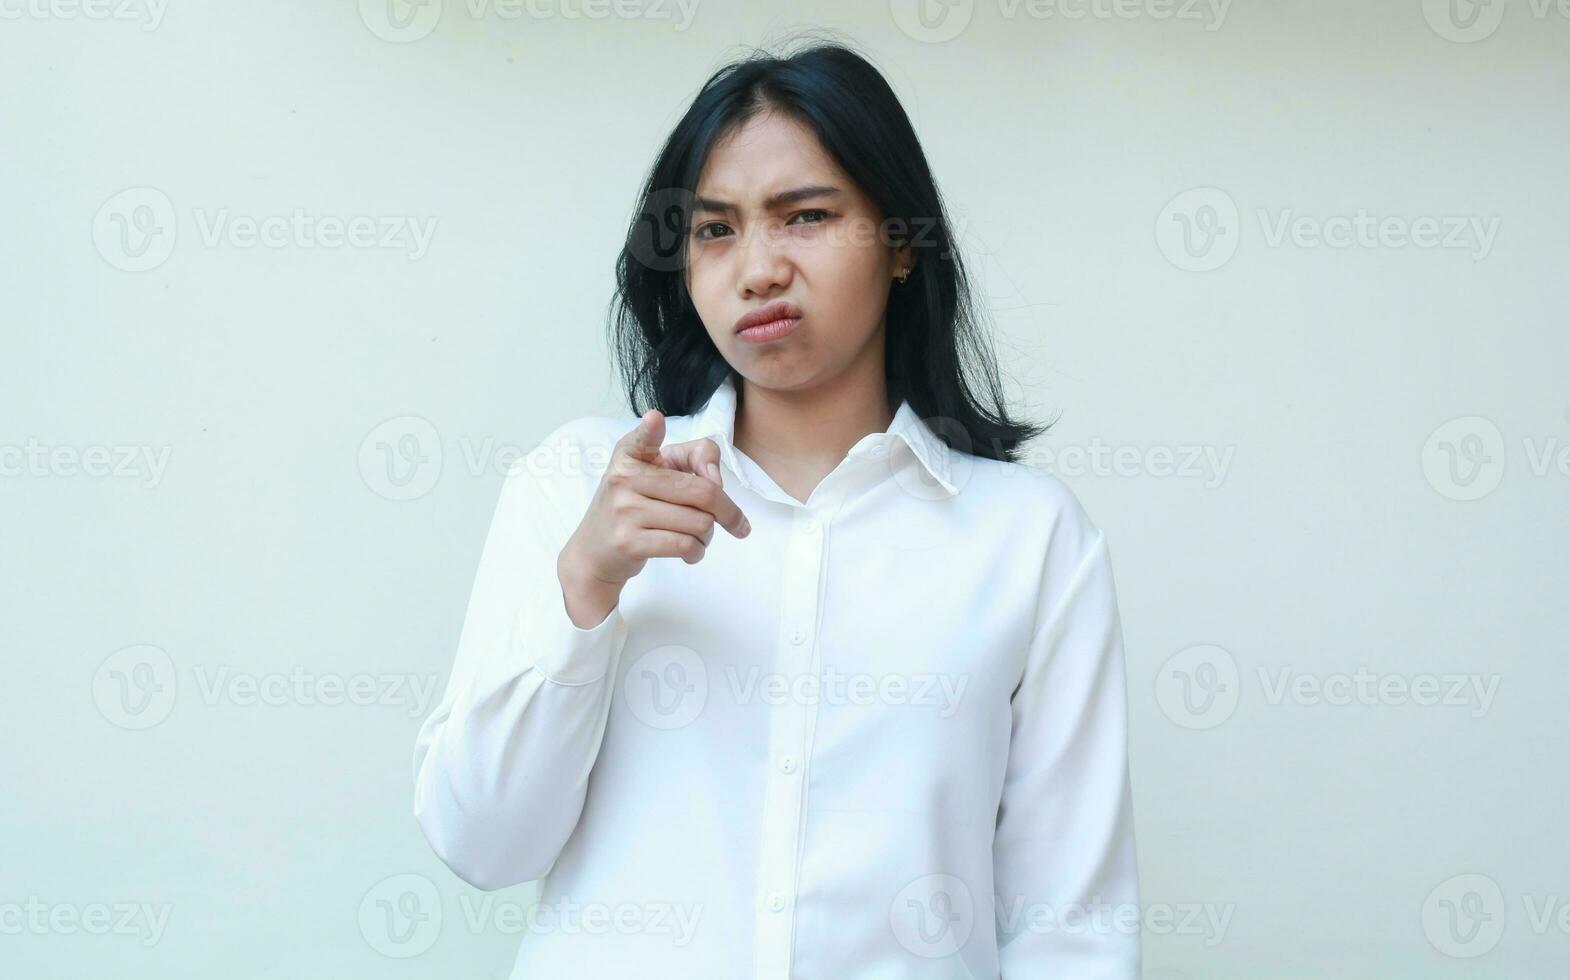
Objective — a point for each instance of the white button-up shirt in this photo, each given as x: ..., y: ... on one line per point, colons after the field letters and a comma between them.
x: 883, y: 736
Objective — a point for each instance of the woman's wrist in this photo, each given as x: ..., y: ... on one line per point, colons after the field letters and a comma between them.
x: 588, y: 599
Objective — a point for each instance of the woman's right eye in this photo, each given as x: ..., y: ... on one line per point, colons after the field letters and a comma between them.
x: 704, y: 232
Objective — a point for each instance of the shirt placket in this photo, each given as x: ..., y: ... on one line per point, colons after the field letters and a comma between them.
x: 791, y: 724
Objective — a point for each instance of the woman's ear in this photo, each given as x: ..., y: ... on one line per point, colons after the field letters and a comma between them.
x: 904, y: 261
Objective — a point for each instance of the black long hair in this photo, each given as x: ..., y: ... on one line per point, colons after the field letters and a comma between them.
x: 937, y: 357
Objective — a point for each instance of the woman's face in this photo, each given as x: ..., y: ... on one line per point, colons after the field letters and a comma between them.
x: 754, y: 242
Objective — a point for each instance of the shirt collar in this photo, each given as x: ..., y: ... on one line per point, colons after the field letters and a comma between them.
x: 717, y: 420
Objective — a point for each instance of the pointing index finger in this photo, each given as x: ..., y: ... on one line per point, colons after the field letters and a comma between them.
x: 643, y: 441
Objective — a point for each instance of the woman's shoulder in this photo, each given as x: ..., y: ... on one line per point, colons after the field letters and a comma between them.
x: 1034, y: 498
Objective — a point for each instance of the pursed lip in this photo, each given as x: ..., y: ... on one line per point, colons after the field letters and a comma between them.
x: 777, y: 310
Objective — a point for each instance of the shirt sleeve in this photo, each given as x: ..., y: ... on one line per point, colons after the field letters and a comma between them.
x: 1063, y: 852
x: 501, y: 766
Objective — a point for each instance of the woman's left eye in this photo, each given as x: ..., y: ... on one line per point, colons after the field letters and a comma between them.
x: 823, y: 215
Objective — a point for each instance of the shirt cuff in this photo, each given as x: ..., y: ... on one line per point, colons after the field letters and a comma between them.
x: 545, y: 637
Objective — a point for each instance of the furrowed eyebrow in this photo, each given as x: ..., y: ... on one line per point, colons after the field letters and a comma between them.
x: 773, y: 202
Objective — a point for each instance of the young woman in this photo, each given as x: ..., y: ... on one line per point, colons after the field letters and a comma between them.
x: 875, y: 729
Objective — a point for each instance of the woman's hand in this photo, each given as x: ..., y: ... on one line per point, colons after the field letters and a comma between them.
x: 653, y: 502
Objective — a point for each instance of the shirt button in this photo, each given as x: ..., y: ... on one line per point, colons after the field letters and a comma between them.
x: 788, y: 765
x: 880, y: 450
x: 810, y: 526
x: 776, y: 902
x: 798, y: 637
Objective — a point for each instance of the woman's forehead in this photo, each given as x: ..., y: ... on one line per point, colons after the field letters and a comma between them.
x: 764, y: 152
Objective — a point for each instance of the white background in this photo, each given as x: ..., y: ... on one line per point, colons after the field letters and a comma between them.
x: 1343, y: 523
